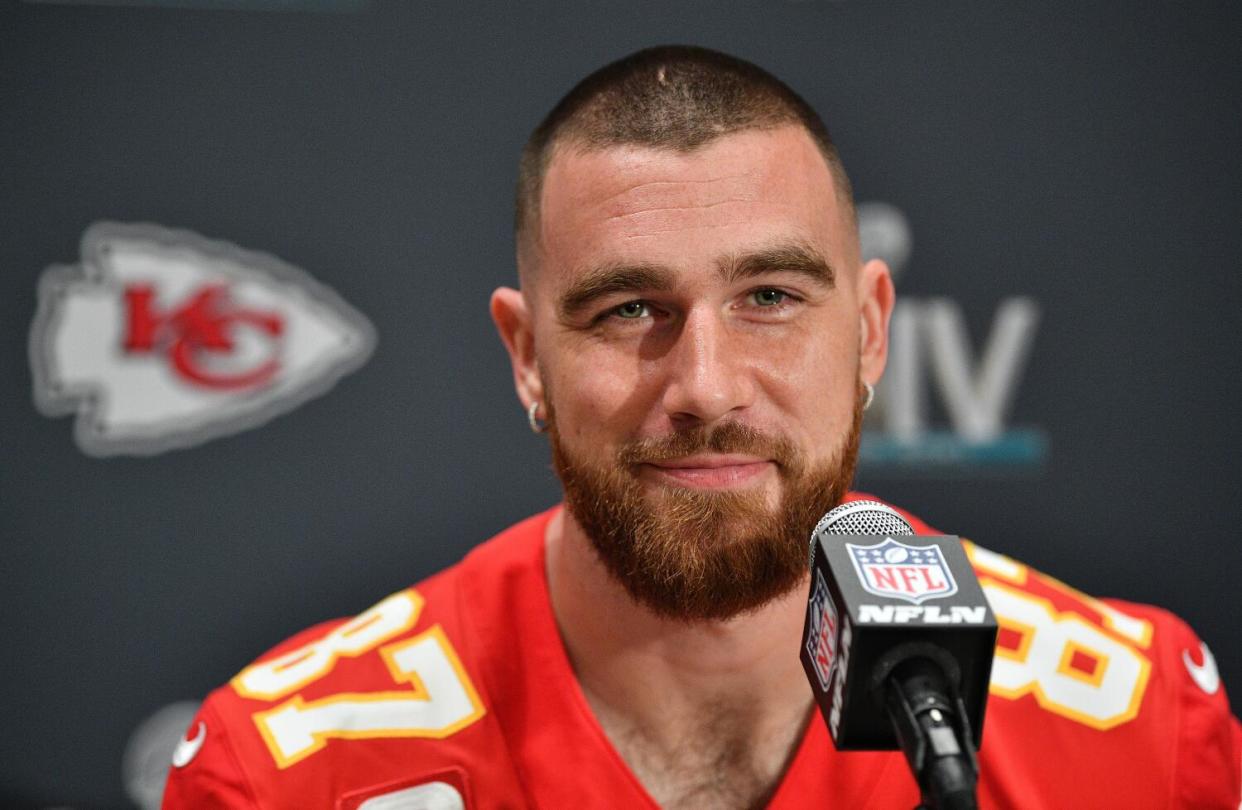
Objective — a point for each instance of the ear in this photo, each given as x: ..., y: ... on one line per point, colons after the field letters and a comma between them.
x: 512, y: 318
x: 876, y: 298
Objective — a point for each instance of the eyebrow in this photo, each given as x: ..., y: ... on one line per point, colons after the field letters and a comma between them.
x: 611, y: 279
x: 797, y: 258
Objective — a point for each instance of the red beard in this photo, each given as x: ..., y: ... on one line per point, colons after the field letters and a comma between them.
x: 701, y: 554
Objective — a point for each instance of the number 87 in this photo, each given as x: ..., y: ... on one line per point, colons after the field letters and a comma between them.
x: 440, y: 702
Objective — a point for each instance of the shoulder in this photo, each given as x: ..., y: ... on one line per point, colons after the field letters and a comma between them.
x: 1084, y: 687
x: 390, y: 699
x: 1130, y: 684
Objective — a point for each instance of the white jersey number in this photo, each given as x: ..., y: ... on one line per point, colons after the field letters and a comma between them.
x: 439, y: 701
x: 1071, y: 666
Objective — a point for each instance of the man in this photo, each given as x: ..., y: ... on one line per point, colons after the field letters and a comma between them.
x: 698, y: 336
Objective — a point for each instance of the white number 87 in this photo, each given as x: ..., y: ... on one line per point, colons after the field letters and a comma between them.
x: 440, y: 700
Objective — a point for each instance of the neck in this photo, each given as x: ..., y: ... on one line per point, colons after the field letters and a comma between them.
x: 645, y: 672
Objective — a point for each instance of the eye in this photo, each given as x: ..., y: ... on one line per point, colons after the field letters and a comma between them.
x: 631, y: 310
x: 769, y: 297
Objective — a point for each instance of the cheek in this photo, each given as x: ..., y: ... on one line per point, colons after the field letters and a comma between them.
x: 599, y: 393
x: 813, y: 379
x: 811, y: 352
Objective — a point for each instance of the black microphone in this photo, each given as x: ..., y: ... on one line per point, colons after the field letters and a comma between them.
x: 898, y: 646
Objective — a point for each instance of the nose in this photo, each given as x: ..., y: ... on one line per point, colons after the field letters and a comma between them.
x: 706, y: 375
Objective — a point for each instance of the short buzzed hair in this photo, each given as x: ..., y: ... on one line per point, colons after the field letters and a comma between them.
x: 676, y: 97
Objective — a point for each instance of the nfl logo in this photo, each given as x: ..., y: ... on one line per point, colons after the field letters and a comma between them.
x: 894, y: 569
x: 821, y: 638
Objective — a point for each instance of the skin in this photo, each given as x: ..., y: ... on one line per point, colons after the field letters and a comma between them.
x: 775, y: 348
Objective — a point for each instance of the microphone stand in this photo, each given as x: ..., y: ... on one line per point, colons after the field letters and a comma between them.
x: 930, y: 721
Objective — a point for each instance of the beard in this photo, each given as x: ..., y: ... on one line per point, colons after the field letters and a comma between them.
x: 704, y: 555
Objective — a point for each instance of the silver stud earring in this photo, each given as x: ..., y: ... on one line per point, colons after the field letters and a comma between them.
x: 537, y: 425
x: 870, y: 395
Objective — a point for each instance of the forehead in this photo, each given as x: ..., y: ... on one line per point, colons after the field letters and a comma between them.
x: 740, y: 192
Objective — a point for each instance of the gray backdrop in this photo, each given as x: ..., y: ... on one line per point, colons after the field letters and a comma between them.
x: 1083, y: 157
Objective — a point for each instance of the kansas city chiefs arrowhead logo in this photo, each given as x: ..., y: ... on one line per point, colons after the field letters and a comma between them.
x: 161, y: 339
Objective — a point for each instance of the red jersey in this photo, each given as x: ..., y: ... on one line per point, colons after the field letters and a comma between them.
x: 458, y: 693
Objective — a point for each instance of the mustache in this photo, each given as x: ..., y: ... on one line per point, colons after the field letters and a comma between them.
x: 728, y: 437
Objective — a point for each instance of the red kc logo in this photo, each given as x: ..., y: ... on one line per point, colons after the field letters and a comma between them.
x: 160, y: 338
x: 202, y: 328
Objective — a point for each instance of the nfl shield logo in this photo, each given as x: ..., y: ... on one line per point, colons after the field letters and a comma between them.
x: 821, y: 638
x: 894, y: 569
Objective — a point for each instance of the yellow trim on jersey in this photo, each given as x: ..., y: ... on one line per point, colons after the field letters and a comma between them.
x: 1025, y: 631
x: 1132, y: 628
x: 1066, y: 667
x: 1038, y: 690
x: 330, y: 653
x: 299, y: 719
x: 995, y: 564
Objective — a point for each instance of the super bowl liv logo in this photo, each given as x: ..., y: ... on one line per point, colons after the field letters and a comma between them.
x: 931, y: 355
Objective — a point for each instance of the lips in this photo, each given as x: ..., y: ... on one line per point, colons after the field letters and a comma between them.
x: 710, y: 471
